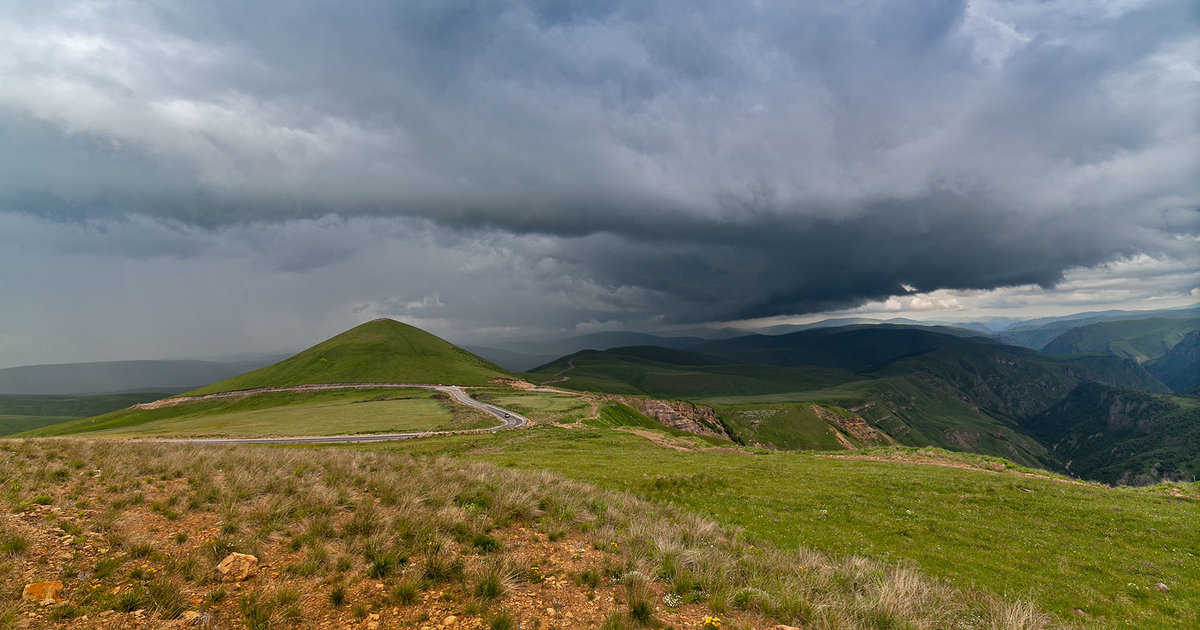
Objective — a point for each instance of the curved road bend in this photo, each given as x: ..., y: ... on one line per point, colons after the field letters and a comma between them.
x: 510, y: 419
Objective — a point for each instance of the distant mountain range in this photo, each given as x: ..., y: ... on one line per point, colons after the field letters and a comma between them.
x: 109, y: 377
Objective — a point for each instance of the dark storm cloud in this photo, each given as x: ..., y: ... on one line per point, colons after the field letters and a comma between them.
x: 689, y: 160
x: 777, y: 266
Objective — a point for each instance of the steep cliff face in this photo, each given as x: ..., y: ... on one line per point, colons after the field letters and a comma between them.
x: 1120, y: 435
x: 1022, y: 385
x: 680, y: 415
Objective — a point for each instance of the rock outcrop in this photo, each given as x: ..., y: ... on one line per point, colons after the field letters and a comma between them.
x: 854, y: 425
x: 681, y: 415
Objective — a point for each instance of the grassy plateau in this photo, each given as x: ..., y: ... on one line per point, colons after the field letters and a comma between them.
x: 286, y: 413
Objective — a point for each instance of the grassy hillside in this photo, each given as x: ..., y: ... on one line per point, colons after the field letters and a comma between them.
x: 1140, y: 339
x: 347, y: 538
x: 961, y: 395
x: 24, y: 413
x: 784, y: 425
x: 917, y: 413
x: 380, y: 351
x: 677, y: 374
x: 1064, y: 544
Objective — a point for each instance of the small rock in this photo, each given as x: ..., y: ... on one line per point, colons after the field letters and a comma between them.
x: 1078, y: 613
x: 238, y: 567
x: 372, y: 625
x: 550, y: 611
x: 449, y: 620
x: 1162, y: 588
x: 374, y: 616
x: 44, y: 593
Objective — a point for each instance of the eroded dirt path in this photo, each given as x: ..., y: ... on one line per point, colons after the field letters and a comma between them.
x: 558, y: 376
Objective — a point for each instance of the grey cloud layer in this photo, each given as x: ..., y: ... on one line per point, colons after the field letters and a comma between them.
x: 681, y: 160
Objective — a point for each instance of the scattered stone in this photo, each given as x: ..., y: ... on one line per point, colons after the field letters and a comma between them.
x: 372, y: 625
x: 449, y: 620
x: 44, y: 593
x: 238, y: 566
x: 1162, y: 588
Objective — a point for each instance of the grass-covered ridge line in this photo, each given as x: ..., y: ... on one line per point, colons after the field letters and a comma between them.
x: 1068, y: 545
x: 380, y: 351
x: 440, y: 535
x: 676, y: 374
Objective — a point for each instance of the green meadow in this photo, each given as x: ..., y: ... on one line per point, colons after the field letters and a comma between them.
x: 537, y: 406
x: 286, y: 413
x: 1062, y: 544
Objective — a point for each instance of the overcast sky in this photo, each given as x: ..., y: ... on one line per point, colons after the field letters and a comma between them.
x: 207, y: 178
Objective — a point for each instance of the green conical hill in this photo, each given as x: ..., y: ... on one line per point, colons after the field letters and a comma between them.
x: 379, y: 351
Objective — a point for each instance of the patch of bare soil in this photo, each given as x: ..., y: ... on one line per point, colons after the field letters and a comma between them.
x: 514, y: 383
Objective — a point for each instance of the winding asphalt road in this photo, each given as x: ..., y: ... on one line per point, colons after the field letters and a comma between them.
x: 510, y: 419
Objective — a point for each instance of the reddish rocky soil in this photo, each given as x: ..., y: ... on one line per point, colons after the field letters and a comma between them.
x: 548, y: 593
